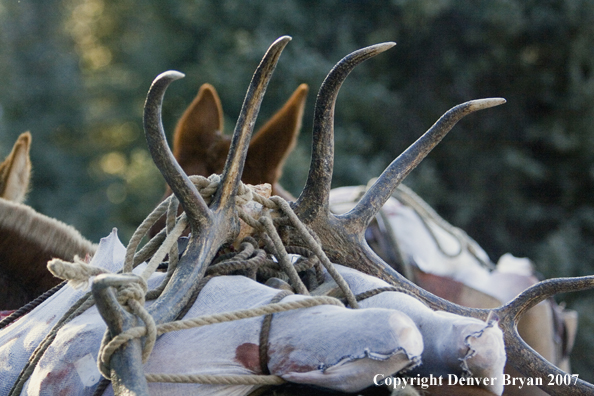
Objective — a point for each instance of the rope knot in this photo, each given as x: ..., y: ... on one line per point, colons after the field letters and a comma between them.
x: 244, y: 194
x: 77, y: 273
x: 131, y: 296
x: 133, y: 291
x: 206, y: 186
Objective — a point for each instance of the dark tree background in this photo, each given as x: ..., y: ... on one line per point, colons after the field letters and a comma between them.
x: 518, y: 178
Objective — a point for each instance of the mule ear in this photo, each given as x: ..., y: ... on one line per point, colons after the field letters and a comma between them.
x: 273, y: 143
x: 200, y: 126
x: 15, y: 171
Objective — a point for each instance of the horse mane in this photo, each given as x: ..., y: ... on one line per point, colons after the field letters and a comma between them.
x: 27, y: 236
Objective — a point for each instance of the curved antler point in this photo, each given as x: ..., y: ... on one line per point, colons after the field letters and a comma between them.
x: 379, y: 48
x: 245, y: 123
x: 170, y: 75
x: 282, y: 39
x: 315, y: 195
x: 481, y: 104
x: 175, y: 177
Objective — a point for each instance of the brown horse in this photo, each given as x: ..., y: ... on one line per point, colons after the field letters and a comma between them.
x: 201, y: 148
x: 28, y: 239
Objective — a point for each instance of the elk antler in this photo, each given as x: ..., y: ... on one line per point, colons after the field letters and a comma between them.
x: 315, y: 195
x: 521, y: 355
x: 382, y: 189
x: 343, y: 236
x: 184, y: 189
x: 211, y: 227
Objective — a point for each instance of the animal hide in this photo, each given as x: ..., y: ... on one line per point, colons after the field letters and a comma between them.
x: 328, y: 346
x: 453, y: 344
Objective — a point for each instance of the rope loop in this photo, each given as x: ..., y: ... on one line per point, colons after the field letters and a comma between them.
x: 427, y: 214
x: 131, y: 296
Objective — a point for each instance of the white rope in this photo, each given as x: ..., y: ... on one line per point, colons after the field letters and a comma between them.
x: 426, y: 214
x: 108, y: 348
x: 77, y: 273
x: 236, y: 379
x: 141, y: 231
x: 165, y: 248
x: 132, y: 295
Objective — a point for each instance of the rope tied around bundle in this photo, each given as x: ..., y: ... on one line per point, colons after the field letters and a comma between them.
x: 130, y: 296
x: 265, y: 225
x: 274, y: 212
x: 77, y: 273
x: 141, y: 331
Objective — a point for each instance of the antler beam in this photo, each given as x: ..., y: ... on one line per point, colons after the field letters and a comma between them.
x: 211, y: 227
x: 343, y: 237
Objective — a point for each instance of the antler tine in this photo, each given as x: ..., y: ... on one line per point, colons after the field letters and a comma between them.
x: 342, y: 241
x: 176, y: 178
x: 221, y: 224
x: 520, y: 354
x: 529, y: 362
x: 245, y: 123
x: 543, y: 290
x: 315, y: 194
x: 385, y: 185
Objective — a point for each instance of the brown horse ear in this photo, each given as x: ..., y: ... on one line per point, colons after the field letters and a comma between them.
x: 198, y: 129
x: 15, y: 171
x: 273, y: 143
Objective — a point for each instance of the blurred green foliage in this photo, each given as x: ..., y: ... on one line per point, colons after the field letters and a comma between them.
x: 518, y: 178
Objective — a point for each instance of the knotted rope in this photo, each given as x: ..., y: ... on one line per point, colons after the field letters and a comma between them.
x: 77, y: 273
x: 264, y: 225
x: 132, y: 296
x: 177, y: 325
